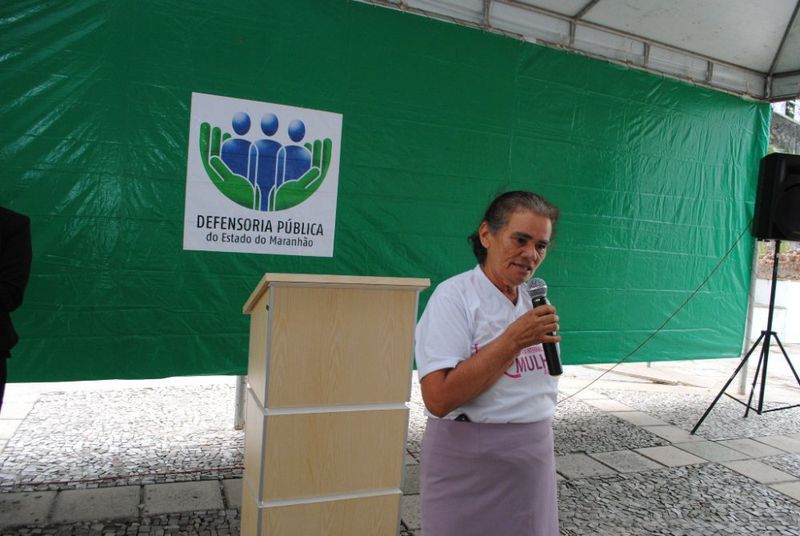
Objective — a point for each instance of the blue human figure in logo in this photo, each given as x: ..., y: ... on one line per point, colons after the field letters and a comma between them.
x: 236, y: 151
x: 293, y: 160
x: 264, y: 159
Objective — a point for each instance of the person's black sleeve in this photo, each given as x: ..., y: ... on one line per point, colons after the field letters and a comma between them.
x: 15, y: 262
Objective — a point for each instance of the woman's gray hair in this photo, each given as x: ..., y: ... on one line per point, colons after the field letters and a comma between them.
x: 500, y: 210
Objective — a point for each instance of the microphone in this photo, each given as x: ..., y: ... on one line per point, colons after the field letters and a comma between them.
x: 537, y: 290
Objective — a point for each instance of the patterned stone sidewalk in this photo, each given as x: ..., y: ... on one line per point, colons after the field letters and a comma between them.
x: 167, y: 461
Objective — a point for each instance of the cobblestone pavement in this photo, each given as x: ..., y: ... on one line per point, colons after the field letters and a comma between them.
x: 626, y: 461
x: 124, y: 437
x: 218, y: 523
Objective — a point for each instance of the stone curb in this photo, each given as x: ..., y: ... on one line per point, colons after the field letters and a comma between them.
x: 117, y: 503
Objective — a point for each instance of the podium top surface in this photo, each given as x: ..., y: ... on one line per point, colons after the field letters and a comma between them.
x: 336, y: 281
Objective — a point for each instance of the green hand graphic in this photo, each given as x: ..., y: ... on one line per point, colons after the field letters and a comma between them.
x: 235, y: 187
x: 294, y: 192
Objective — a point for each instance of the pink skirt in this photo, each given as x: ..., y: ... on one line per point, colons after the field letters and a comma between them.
x: 488, y: 479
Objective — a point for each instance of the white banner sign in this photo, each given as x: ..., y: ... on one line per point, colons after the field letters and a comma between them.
x: 261, y: 177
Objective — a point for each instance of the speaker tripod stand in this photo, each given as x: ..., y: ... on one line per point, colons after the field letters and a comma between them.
x: 765, y: 340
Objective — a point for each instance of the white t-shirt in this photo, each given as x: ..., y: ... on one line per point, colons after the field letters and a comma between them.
x: 464, y: 314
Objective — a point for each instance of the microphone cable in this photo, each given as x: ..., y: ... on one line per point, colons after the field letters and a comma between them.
x: 668, y: 320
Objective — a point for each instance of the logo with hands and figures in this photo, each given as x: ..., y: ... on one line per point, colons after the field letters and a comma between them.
x: 264, y: 174
x: 267, y: 171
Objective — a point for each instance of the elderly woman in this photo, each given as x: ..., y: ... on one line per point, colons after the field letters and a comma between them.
x: 488, y: 466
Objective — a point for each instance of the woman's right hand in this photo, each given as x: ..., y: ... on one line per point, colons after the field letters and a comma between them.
x: 534, y: 327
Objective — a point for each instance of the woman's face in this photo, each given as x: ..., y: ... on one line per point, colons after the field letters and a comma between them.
x: 516, y: 250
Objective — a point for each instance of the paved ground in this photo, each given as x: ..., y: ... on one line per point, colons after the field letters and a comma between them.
x: 161, y: 457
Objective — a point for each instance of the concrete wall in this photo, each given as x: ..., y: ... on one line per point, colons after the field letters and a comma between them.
x: 786, y: 318
x: 785, y: 134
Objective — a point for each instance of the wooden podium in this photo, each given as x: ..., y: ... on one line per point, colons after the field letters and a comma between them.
x: 329, y: 373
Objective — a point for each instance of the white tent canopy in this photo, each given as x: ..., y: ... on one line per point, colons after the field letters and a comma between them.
x: 745, y: 47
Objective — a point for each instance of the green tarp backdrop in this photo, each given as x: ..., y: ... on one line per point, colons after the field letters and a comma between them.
x: 655, y: 178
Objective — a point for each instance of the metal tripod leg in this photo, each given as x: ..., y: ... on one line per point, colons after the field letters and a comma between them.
x: 722, y: 391
x: 786, y: 355
x: 794, y: 372
x: 764, y: 353
x: 755, y: 380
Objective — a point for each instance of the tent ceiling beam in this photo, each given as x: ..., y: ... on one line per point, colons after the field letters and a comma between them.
x: 778, y: 53
x: 585, y: 9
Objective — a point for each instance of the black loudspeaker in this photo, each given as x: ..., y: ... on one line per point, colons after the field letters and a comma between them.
x: 777, y: 215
